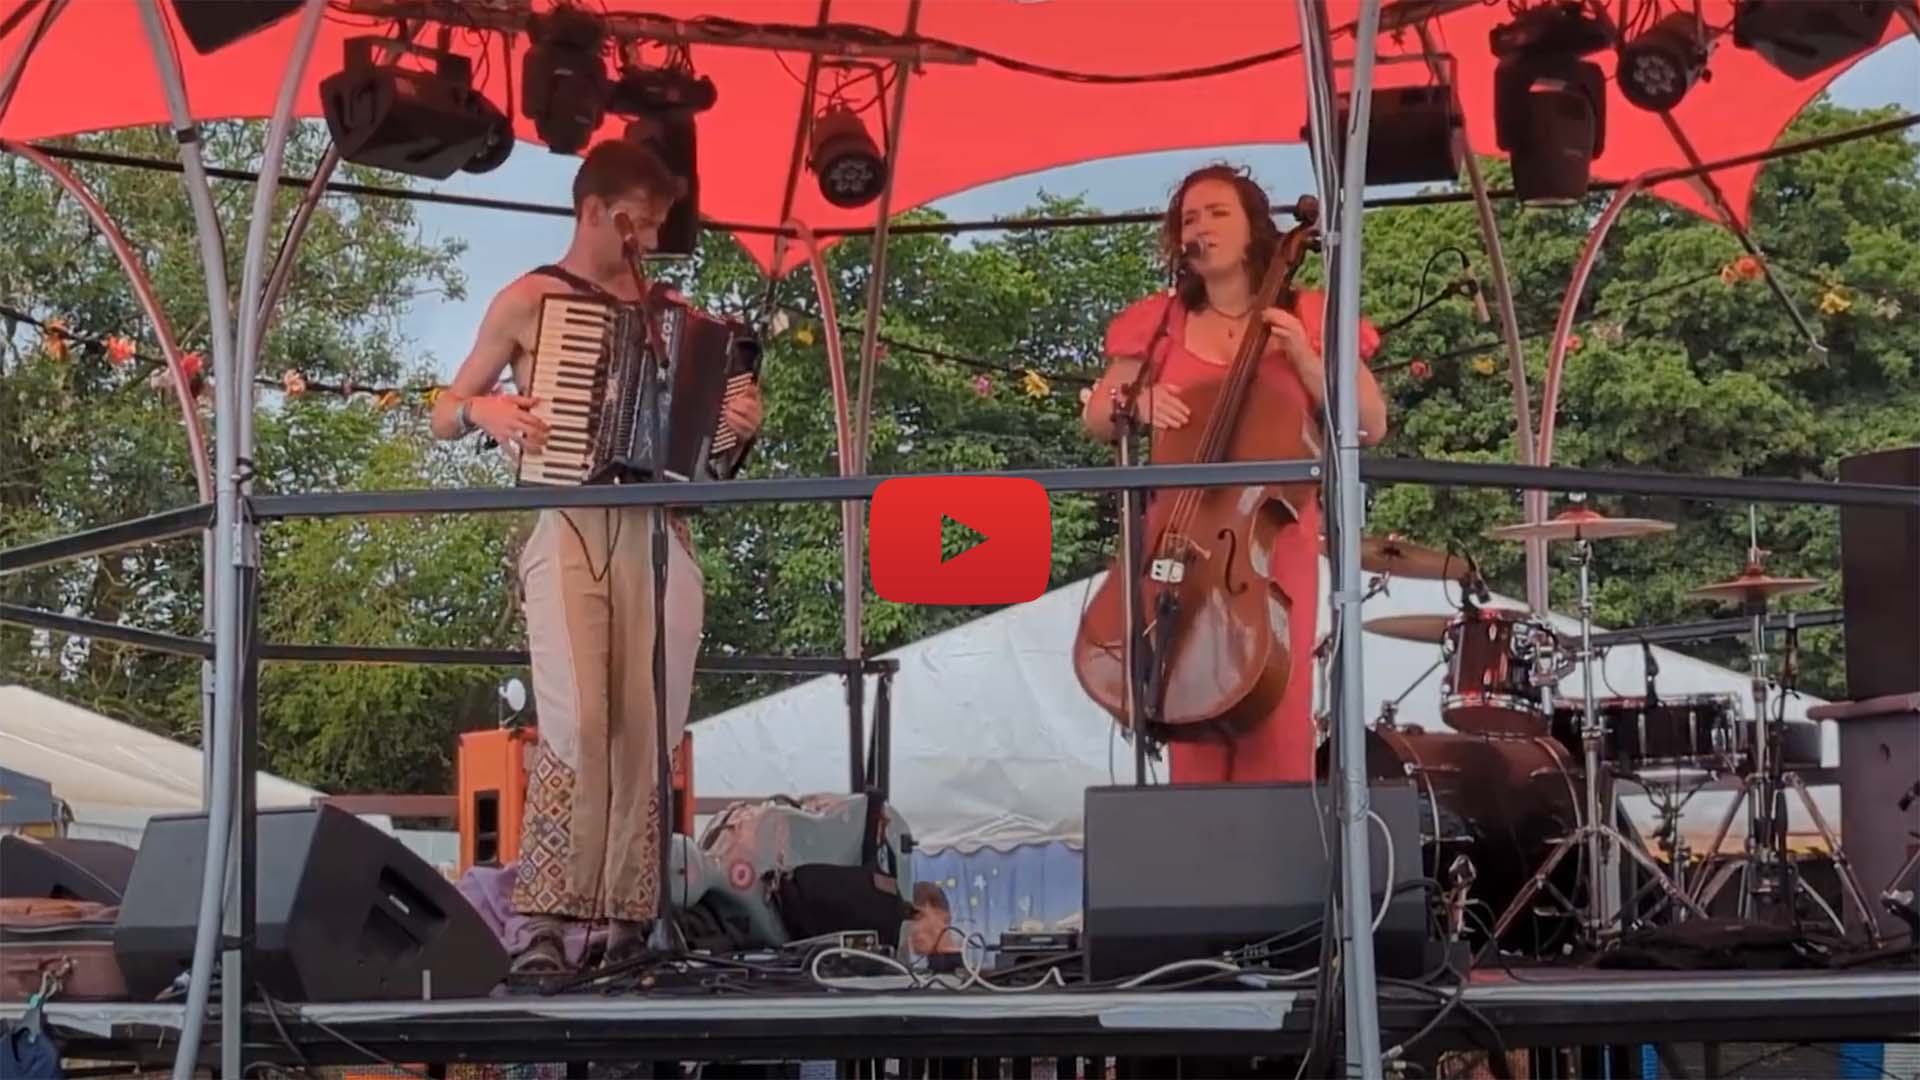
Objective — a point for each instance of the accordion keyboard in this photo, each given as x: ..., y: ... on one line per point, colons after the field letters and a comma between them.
x: 568, y: 380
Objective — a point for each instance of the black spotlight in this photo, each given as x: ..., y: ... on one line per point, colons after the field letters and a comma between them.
x: 1549, y: 105
x: 1806, y: 37
x: 1657, y: 68
x: 564, y: 77
x: 1409, y: 134
x: 851, y: 168
x: 663, y: 103
x: 422, y: 123
x: 214, y: 24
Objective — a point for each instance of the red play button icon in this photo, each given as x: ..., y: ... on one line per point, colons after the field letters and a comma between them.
x: 960, y: 540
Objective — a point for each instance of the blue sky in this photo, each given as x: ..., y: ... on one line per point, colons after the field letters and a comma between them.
x: 503, y: 245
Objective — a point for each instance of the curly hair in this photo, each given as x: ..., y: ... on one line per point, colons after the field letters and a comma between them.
x: 1263, y: 234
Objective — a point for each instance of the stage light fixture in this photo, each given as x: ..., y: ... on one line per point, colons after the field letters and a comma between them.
x: 564, y: 77
x: 663, y: 103
x: 849, y: 165
x: 1549, y: 105
x: 1410, y: 133
x: 1803, y: 38
x: 1657, y: 68
x: 422, y: 123
x: 215, y: 24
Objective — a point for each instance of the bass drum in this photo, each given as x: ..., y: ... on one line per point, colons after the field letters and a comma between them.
x: 1500, y: 802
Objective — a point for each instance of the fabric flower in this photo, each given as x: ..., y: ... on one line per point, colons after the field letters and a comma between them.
x: 983, y: 386
x: 119, y: 349
x: 803, y: 334
x: 387, y: 400
x: 1610, y: 332
x: 432, y: 395
x: 190, y: 364
x: 1834, y: 301
x: 1887, y: 308
x: 1573, y: 343
x: 1035, y: 385
x: 1420, y: 369
x: 293, y: 382
x: 1744, y: 268
x: 1484, y: 365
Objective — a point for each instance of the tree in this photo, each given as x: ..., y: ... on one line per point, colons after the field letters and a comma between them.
x: 88, y: 441
x: 1709, y: 377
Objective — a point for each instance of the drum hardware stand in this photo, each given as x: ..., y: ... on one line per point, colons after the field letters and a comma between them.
x: 1598, y: 912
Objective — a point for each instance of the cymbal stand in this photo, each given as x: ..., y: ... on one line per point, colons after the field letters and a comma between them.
x: 1595, y: 832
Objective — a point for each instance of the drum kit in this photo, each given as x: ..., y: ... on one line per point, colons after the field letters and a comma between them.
x: 1526, y: 778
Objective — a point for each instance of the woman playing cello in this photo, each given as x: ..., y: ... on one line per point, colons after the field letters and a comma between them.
x: 1219, y: 234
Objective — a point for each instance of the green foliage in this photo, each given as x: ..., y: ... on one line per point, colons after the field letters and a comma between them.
x: 1711, y: 378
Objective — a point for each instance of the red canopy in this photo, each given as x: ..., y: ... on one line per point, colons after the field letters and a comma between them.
x: 964, y: 125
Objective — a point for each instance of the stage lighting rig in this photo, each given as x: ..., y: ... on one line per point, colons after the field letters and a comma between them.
x: 663, y: 103
x: 850, y: 166
x: 564, y: 77
x: 1658, y: 67
x: 422, y: 123
x: 1549, y: 104
x: 1803, y: 38
x: 215, y: 24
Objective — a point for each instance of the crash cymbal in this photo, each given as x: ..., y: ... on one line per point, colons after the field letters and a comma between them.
x: 1581, y: 523
x: 1755, y: 584
x: 1395, y: 554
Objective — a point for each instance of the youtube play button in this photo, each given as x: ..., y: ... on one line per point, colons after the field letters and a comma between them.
x: 960, y: 540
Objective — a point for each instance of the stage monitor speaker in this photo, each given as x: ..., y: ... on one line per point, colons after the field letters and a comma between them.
x: 343, y: 912
x: 1191, y: 871
x: 95, y: 870
x: 1880, y: 579
x: 215, y: 24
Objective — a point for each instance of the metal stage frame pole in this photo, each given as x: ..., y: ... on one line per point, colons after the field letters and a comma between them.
x: 1346, y: 509
x: 1538, y: 596
x: 854, y: 524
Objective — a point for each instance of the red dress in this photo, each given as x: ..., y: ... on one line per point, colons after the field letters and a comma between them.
x: 1282, y: 746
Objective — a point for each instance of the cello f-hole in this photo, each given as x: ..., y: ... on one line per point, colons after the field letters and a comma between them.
x: 1233, y: 545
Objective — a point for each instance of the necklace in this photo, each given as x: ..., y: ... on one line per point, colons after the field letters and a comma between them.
x: 1223, y: 312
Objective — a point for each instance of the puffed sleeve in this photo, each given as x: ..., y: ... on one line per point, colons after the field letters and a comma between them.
x: 1131, y: 332
x: 1311, y: 308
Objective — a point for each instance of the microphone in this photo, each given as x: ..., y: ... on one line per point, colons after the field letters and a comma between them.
x: 1475, y: 582
x: 1652, y: 667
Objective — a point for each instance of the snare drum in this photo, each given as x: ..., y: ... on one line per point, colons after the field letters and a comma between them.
x: 1684, y: 731
x: 1489, y: 687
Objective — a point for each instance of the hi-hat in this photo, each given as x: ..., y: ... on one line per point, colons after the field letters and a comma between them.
x: 1580, y: 523
x: 1755, y: 584
x: 1395, y: 554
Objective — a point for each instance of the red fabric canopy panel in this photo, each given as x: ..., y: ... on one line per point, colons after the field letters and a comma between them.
x: 963, y: 125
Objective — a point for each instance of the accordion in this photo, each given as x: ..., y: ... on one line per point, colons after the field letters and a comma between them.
x: 597, y: 383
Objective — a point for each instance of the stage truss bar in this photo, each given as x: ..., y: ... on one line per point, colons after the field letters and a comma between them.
x: 925, y: 228
x: 1383, y: 470
x: 152, y: 640
x: 1551, y: 1008
x: 717, y: 492
x: 1719, y: 628
x: 166, y: 525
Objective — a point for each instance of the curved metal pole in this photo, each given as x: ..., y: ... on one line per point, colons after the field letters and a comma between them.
x: 296, y: 230
x: 17, y: 67
x: 144, y: 294
x: 1570, y: 306
x: 850, y: 521
x: 877, y: 281
x: 217, y: 740
x: 796, y: 160
x: 1535, y: 501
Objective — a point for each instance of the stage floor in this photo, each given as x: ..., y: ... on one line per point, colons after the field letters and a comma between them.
x: 1545, y: 1008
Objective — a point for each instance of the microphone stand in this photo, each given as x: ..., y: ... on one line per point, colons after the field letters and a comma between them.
x: 1132, y: 518
x: 662, y: 939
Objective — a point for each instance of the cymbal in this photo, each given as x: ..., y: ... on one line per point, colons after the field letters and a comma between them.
x: 1754, y: 584
x: 1395, y: 554
x: 1581, y: 523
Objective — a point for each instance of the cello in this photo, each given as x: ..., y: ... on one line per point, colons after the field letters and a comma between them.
x: 1217, y: 645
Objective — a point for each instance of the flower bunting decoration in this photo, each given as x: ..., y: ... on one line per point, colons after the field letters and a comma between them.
x: 119, y: 349
x: 1834, y: 301
x: 1035, y: 384
x: 293, y: 382
x: 54, y: 338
